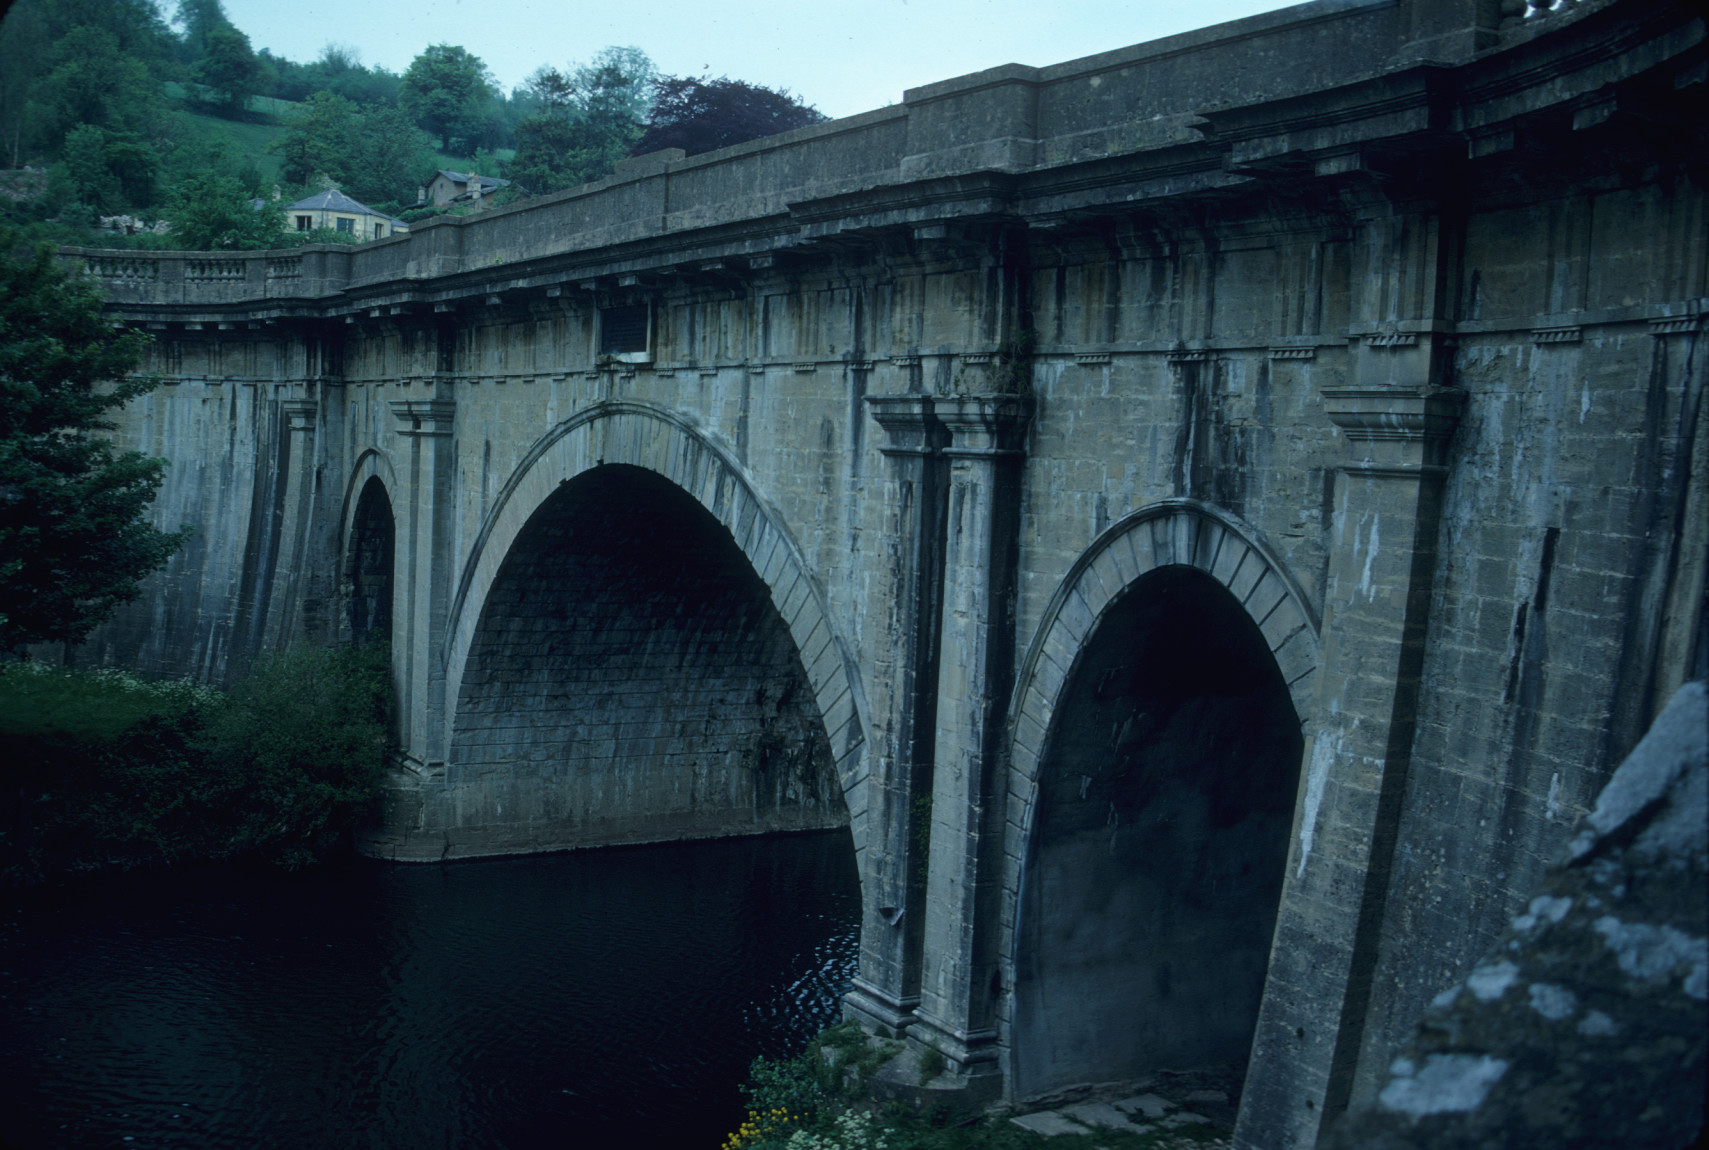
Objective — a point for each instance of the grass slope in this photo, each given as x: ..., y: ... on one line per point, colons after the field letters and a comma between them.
x: 252, y: 138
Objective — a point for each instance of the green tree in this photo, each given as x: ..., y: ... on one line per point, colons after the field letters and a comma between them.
x: 584, y: 120
x: 111, y: 170
x: 211, y: 212
x: 320, y: 136
x: 446, y: 90
x: 93, y: 81
x: 92, y: 180
x: 73, y: 543
x: 376, y: 154
x: 229, y: 68
x: 70, y: 62
x: 396, y: 157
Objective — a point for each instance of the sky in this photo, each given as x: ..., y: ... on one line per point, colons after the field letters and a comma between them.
x: 841, y: 56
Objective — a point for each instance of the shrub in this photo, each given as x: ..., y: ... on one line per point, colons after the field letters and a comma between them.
x: 299, y: 748
x: 109, y: 771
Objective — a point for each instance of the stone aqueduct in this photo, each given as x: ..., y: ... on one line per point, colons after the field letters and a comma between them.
x: 1209, y: 516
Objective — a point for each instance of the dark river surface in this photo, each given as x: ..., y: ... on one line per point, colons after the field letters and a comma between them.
x: 602, y: 998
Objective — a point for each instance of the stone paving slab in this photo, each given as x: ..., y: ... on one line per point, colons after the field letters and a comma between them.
x: 1103, y: 1114
x: 1186, y: 1118
x: 1147, y: 1112
x: 1048, y: 1123
x: 1150, y: 1105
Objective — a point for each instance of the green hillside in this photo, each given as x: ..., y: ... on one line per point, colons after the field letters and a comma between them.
x: 250, y: 139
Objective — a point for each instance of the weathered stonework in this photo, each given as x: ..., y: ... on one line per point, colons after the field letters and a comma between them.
x: 1381, y: 317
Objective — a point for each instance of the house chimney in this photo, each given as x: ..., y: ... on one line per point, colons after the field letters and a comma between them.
x: 421, y: 193
x: 475, y: 185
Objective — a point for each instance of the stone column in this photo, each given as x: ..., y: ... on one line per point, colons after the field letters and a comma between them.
x: 1387, y: 509
x: 899, y: 788
x: 422, y: 580
x: 960, y: 981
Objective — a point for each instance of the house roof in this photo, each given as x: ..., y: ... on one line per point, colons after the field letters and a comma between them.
x: 333, y: 200
x: 463, y: 178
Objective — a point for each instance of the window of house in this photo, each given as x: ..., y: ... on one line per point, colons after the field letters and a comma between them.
x: 625, y: 332
x: 379, y: 230
x: 346, y: 224
x: 304, y: 223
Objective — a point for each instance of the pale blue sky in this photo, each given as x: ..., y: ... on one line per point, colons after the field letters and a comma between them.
x: 843, y: 56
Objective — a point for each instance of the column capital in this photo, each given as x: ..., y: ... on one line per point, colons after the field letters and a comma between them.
x: 300, y: 413
x: 985, y: 425
x: 1400, y: 428
x: 909, y: 424
x: 424, y: 416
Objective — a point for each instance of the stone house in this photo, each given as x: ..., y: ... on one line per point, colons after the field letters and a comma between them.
x: 447, y: 186
x: 333, y: 209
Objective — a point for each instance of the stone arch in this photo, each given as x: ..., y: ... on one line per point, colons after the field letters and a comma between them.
x: 670, y: 446
x: 371, y: 484
x: 1197, y: 793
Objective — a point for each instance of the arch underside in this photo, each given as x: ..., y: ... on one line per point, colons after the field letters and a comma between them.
x: 1156, y: 794
x: 638, y: 654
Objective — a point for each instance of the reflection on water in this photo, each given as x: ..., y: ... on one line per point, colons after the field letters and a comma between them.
x: 608, y: 998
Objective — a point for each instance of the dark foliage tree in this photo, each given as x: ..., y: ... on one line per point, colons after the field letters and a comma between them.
x: 701, y: 115
x: 339, y: 70
x: 447, y: 90
x: 64, y: 63
x: 73, y: 543
x: 24, y: 44
x: 199, y: 20
x: 229, y: 69
x: 583, y: 121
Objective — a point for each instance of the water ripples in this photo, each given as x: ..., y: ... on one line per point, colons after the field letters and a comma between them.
x: 594, y: 999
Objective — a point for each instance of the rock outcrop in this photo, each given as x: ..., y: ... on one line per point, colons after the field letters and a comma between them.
x: 1586, y: 1025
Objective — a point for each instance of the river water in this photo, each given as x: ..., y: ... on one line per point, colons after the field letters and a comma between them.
x: 598, y: 999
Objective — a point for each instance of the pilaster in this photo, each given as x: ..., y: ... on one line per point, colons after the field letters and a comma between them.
x: 298, y: 418
x: 1387, y: 510
x: 422, y: 576
x: 961, y: 980
x: 899, y: 789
